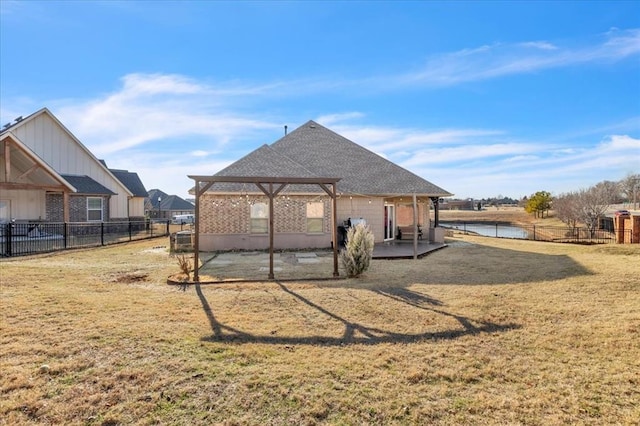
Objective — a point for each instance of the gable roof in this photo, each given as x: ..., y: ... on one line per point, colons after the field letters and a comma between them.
x: 87, y: 186
x: 131, y: 180
x: 20, y: 121
x: 23, y: 159
x: 312, y: 150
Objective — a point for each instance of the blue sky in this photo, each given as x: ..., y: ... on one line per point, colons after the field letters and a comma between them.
x: 480, y: 98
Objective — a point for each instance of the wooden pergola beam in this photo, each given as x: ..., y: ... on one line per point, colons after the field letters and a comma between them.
x: 266, y: 185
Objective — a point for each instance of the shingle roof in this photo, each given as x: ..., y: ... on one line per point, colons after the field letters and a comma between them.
x: 313, y: 150
x: 131, y: 180
x: 264, y: 162
x: 173, y: 202
x: 86, y: 185
x: 152, y: 197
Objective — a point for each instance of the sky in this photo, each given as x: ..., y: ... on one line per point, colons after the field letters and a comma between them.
x: 483, y: 99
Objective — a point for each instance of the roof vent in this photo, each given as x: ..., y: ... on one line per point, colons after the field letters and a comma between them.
x: 18, y: 119
x: 7, y: 125
x: 313, y: 126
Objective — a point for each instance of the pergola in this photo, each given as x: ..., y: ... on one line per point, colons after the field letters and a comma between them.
x: 271, y: 187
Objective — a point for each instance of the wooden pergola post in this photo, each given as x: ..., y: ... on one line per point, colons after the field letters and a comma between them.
x: 260, y: 182
x: 415, y: 227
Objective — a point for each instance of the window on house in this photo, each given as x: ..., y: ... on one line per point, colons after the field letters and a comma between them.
x: 5, y: 210
x: 259, y: 218
x: 315, y: 218
x: 94, y: 209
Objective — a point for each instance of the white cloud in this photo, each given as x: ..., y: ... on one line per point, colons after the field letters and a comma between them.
x: 501, y: 59
x: 152, y: 107
x: 543, y: 45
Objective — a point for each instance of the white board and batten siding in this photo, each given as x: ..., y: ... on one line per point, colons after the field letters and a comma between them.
x: 64, y: 153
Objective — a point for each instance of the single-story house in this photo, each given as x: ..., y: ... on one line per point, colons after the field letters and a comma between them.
x: 47, y: 174
x: 160, y: 205
x: 369, y: 189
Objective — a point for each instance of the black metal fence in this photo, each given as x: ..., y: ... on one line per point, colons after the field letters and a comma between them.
x: 559, y: 234
x: 19, y: 239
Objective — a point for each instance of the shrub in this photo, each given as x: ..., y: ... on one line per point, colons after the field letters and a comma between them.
x: 356, y: 256
x: 185, y: 266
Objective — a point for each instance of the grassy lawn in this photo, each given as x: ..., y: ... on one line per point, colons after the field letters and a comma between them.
x: 486, y: 331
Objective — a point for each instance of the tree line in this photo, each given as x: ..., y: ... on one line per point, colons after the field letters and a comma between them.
x: 588, y: 205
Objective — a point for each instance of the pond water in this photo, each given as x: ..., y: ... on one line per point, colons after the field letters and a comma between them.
x: 488, y: 229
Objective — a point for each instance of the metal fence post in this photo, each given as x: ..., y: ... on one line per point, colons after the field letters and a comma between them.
x: 129, y: 229
x: 101, y: 233
x: 9, y: 237
x: 496, y: 229
x: 534, y: 233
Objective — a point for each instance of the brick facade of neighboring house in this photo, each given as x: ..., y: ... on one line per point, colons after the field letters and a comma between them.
x: 77, y: 208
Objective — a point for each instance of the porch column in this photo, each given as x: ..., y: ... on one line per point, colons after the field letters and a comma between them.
x: 65, y: 206
x: 415, y: 227
x: 436, y: 208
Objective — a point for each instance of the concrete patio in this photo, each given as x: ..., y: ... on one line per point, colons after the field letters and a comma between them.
x: 312, y: 264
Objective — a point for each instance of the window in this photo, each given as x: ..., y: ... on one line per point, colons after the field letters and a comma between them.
x: 315, y: 218
x: 94, y: 209
x: 259, y: 218
x: 5, y: 210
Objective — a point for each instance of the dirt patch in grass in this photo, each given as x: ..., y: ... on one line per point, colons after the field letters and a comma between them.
x: 485, y: 331
x: 128, y: 278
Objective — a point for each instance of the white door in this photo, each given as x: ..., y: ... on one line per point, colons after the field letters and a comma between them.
x: 389, y: 221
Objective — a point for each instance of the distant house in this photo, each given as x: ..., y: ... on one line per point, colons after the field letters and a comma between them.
x: 47, y: 174
x: 371, y: 189
x: 159, y: 205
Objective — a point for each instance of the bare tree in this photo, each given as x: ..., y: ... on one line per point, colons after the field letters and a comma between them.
x: 593, y: 203
x: 630, y: 188
x: 567, y: 209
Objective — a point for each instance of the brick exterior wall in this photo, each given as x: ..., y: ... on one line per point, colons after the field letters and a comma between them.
x: 77, y: 208
x: 232, y: 215
x: 54, y: 208
x: 404, y: 215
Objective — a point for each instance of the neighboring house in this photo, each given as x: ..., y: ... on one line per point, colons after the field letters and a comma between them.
x: 159, y: 205
x: 47, y: 174
x: 371, y: 189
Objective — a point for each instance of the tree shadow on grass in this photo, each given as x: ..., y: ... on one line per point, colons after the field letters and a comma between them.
x: 354, y: 332
x: 473, y: 264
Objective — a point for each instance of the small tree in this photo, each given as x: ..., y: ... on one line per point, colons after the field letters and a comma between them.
x: 185, y: 266
x: 538, y: 203
x: 356, y: 256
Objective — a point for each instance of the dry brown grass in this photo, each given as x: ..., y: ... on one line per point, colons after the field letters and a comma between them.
x: 486, y: 331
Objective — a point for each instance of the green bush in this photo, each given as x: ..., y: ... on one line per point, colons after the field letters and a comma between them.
x: 356, y: 256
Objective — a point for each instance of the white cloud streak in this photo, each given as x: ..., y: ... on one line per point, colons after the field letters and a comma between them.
x: 501, y: 59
